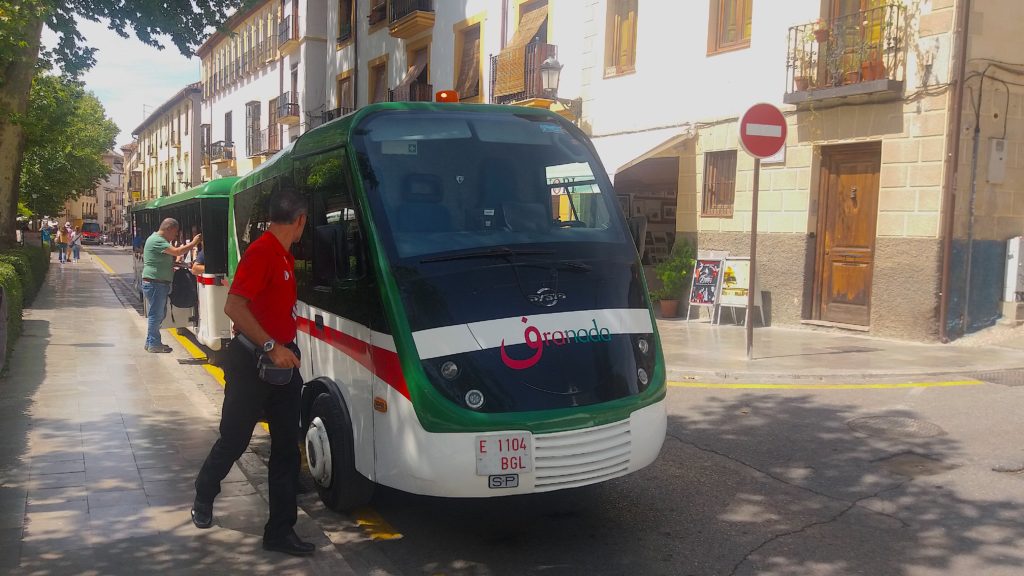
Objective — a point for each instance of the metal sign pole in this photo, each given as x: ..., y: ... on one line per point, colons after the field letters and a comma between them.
x: 753, y: 262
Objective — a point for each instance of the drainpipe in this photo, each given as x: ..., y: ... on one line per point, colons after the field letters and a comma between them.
x: 952, y: 160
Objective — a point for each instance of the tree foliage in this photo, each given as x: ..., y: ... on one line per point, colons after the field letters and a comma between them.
x: 66, y: 134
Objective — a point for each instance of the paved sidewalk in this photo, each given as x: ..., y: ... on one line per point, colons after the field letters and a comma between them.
x: 100, y: 443
x: 699, y: 350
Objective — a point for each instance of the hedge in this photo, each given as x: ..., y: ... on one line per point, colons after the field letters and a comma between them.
x: 22, y: 271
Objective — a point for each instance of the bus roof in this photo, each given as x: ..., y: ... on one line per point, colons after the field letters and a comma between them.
x: 219, y: 188
x: 339, y: 131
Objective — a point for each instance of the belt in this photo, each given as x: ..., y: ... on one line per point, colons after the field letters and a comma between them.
x: 154, y: 280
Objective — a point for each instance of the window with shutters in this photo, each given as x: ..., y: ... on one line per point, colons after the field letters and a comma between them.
x: 345, y: 99
x: 620, y: 38
x: 345, y: 21
x: 719, y: 184
x: 379, y: 80
x: 467, y: 65
x: 252, y: 128
x: 729, y: 25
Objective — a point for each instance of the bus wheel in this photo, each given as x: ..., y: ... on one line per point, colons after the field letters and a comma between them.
x: 330, y: 454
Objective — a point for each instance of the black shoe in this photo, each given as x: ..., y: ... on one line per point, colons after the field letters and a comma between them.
x: 159, y: 349
x: 290, y: 544
x: 202, y: 514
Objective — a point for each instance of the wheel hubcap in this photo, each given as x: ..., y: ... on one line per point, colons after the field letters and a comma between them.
x: 318, y: 453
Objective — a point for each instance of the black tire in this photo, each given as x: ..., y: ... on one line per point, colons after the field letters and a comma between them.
x: 347, y: 488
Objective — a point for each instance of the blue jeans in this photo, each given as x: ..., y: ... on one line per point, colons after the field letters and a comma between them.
x: 62, y: 251
x: 156, y: 308
x: 76, y: 250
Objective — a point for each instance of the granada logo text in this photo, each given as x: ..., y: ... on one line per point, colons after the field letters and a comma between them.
x: 537, y: 340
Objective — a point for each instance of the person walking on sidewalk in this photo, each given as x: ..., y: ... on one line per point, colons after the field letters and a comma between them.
x: 76, y: 244
x: 157, y: 272
x: 260, y: 303
x: 62, y: 243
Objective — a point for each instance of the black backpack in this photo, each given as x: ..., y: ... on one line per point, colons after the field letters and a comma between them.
x: 183, y: 289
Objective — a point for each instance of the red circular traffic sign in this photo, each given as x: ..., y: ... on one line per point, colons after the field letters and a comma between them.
x: 763, y: 130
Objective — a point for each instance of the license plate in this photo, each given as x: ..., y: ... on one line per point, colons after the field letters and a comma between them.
x: 503, y: 454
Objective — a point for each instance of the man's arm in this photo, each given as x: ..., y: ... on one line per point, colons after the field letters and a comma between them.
x: 179, y: 250
x: 237, y: 308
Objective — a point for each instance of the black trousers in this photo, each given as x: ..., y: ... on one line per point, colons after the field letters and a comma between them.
x: 246, y: 397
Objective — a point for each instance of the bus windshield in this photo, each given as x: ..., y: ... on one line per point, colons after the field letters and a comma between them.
x: 449, y: 182
x: 91, y: 227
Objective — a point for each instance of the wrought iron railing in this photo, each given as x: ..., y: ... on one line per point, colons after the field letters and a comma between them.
x: 378, y: 12
x: 270, y: 140
x: 402, y: 8
x: 222, y: 150
x: 859, y: 47
x: 287, y: 29
x: 344, y: 32
x: 536, y: 52
x: 336, y: 113
x: 288, y: 105
x: 412, y: 92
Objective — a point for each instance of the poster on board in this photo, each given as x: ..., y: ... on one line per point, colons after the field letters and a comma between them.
x: 736, y: 282
x: 707, y: 276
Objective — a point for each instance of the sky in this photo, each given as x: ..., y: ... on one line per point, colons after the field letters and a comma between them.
x: 129, y: 74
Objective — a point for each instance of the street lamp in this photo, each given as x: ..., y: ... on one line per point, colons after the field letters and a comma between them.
x: 550, y: 76
x: 181, y: 179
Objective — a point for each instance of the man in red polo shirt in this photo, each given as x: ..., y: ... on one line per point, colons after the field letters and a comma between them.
x: 260, y: 302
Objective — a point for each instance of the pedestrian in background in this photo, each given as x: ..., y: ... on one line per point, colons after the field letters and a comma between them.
x: 157, y: 272
x: 76, y: 244
x: 260, y: 303
x: 44, y: 234
x: 62, y: 243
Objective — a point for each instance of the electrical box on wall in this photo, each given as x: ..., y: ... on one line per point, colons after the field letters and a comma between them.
x: 1014, y: 270
x: 996, y: 160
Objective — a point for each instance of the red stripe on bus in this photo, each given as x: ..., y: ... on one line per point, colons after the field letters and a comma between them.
x: 381, y: 361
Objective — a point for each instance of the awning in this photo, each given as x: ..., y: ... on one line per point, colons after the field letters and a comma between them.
x: 468, y: 85
x: 622, y: 151
x: 511, y: 73
x: 415, y: 69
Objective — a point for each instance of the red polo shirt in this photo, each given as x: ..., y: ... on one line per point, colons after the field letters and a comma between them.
x: 266, y: 278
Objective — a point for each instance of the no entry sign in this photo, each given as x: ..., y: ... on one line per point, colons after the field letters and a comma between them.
x: 763, y: 130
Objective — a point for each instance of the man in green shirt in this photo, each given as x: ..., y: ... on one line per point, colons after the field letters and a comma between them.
x: 157, y: 272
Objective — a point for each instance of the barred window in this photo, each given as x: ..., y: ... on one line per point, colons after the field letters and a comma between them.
x: 719, y: 184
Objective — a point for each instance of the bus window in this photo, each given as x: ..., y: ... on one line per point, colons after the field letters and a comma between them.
x: 333, y: 240
x: 251, y: 216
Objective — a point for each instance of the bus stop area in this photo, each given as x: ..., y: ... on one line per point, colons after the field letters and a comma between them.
x: 100, y: 443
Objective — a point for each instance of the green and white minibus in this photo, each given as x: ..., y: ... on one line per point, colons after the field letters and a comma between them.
x: 203, y: 208
x: 473, y: 315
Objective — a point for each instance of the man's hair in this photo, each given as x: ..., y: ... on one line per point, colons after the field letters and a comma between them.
x: 169, y: 224
x: 285, y: 206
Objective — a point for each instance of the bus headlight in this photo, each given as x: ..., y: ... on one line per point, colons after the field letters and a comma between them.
x: 641, y: 374
x: 474, y: 399
x: 450, y: 370
x: 643, y: 346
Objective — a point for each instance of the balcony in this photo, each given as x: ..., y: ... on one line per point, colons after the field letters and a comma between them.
x: 222, y: 151
x: 859, y: 57
x: 345, y: 33
x: 412, y: 92
x: 152, y: 151
x: 336, y: 113
x: 270, y: 140
x: 287, y: 34
x: 411, y: 17
x: 378, y: 12
x: 288, y: 108
x: 135, y: 181
x: 535, y: 53
x: 175, y: 140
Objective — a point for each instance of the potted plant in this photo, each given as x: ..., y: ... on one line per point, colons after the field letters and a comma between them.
x: 821, y: 32
x: 672, y: 272
x: 803, y: 66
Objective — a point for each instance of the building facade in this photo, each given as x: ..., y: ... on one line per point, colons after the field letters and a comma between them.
x: 97, y: 204
x: 262, y: 83
x: 168, y: 140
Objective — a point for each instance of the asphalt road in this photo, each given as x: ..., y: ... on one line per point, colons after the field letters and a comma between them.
x: 876, y: 481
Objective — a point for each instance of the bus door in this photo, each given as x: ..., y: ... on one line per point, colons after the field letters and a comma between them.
x: 213, y: 325
x: 337, y: 297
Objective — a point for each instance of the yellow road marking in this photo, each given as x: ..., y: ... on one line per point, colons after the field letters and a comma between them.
x: 376, y: 528
x: 828, y: 386
x: 102, y: 263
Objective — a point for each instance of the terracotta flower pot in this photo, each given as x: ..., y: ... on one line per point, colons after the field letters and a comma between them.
x: 669, y: 308
x: 821, y: 35
x: 801, y: 83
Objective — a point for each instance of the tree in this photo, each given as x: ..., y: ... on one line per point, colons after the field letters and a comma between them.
x: 66, y: 134
x: 21, y: 25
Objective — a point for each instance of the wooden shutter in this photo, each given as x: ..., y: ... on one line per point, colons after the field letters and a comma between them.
x: 511, y: 73
x: 468, y: 85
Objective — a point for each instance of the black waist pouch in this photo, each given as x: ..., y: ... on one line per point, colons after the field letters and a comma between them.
x: 265, y: 367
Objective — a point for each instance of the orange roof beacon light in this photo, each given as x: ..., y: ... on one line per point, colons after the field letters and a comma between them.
x: 446, y: 96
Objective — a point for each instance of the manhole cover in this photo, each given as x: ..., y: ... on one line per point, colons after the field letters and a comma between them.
x: 912, y: 465
x: 1003, y: 377
x: 895, y: 427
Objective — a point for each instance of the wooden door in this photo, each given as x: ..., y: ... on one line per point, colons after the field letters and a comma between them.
x: 847, y: 218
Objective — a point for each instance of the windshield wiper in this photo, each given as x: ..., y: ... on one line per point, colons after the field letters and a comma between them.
x: 568, y: 264
x: 497, y: 252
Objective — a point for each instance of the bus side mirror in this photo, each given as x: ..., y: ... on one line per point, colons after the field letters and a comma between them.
x: 638, y: 230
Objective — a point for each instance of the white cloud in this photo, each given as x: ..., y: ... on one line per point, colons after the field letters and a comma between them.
x: 129, y: 74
